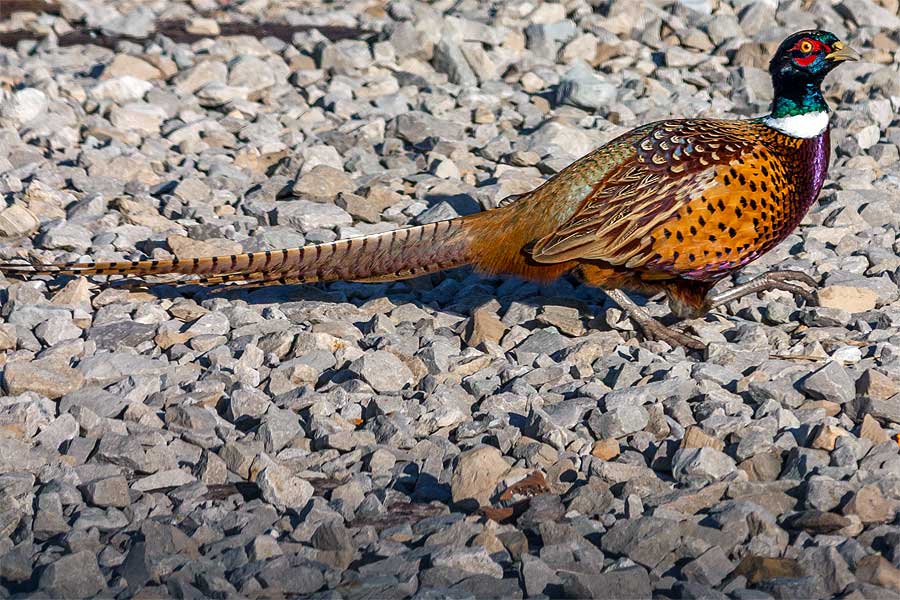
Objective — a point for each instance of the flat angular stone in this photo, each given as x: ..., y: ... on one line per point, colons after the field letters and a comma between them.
x: 24, y: 106
x: 306, y: 215
x: 619, y: 422
x: 47, y: 377
x: 294, y: 579
x: 62, y: 429
x: 383, y: 371
x: 710, y: 568
x: 163, y: 479
x: 122, y: 334
x: 322, y: 184
x: 632, y: 582
x: 279, y: 487
x: 471, y: 560
x: 476, y: 475
x: 109, y: 491
x: 830, y: 382
x: 581, y: 86
x: 792, y: 587
x: 870, y: 505
x: 646, y: 540
x: 73, y: 576
x: 707, y: 464
x: 537, y: 576
x: 876, y: 570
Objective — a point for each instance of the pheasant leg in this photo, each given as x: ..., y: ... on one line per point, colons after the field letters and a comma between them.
x: 652, y: 328
x: 773, y: 280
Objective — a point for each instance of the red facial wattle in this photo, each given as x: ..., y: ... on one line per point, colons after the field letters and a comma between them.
x: 814, y: 48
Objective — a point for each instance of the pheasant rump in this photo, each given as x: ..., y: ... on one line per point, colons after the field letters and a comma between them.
x: 672, y: 206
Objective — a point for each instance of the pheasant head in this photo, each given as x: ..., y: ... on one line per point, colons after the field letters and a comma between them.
x: 800, y: 64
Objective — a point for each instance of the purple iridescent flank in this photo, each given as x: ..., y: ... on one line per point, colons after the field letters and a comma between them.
x: 821, y: 154
x: 814, y: 155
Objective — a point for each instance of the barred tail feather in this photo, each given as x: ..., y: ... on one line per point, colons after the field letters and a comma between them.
x: 397, y: 254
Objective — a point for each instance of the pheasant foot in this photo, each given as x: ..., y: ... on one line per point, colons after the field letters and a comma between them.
x: 652, y: 328
x: 773, y: 280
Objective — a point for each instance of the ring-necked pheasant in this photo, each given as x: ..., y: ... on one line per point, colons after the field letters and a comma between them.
x: 672, y: 206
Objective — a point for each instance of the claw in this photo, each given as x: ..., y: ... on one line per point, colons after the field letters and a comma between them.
x: 788, y: 275
x: 655, y: 330
x: 794, y: 289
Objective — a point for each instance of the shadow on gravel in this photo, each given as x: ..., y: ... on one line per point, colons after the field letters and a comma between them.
x: 176, y: 30
x: 429, y: 291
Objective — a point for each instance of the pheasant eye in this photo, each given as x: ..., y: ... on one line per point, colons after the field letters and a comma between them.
x: 806, y: 46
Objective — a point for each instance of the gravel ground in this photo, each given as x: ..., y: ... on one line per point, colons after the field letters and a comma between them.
x: 454, y: 435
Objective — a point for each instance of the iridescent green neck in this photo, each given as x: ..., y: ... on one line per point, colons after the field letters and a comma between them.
x: 796, y: 100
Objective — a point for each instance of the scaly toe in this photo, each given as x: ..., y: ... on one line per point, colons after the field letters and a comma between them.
x: 657, y: 331
x: 789, y: 275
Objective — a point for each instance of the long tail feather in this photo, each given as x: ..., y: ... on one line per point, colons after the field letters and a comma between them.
x: 397, y: 254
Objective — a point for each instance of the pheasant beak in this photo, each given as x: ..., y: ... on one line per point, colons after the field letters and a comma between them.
x: 841, y: 53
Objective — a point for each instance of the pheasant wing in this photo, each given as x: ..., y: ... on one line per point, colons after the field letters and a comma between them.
x: 673, y: 163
